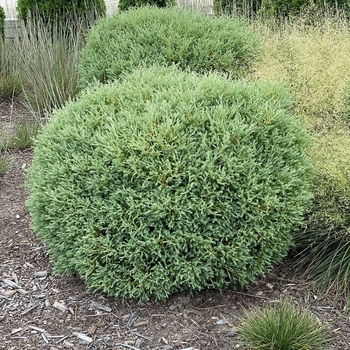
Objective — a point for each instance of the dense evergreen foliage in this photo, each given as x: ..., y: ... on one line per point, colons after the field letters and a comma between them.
x: 167, y: 181
x: 60, y: 10
x: 168, y: 36
x: 285, y: 8
x: 279, y: 8
x: 248, y: 8
x: 2, y: 24
x: 127, y: 4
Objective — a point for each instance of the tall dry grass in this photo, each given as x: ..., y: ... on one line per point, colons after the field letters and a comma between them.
x: 48, y: 57
x: 312, y: 58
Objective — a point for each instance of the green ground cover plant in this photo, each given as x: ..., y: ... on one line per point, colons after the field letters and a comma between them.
x: 20, y: 136
x: 168, y: 36
x: 283, y: 327
x: 23, y: 136
x: 4, y: 165
x: 168, y: 181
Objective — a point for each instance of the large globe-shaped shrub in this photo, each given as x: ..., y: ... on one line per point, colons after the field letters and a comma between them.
x: 167, y: 36
x: 169, y: 181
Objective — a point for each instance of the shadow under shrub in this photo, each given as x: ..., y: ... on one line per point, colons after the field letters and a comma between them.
x: 170, y: 181
x: 167, y: 36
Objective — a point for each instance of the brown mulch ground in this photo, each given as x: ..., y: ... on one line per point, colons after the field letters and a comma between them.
x: 41, y: 311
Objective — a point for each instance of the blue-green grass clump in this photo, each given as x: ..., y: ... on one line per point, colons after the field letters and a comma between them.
x: 283, y: 327
x: 167, y: 36
x: 168, y: 181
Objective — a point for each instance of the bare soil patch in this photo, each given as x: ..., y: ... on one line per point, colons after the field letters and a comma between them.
x: 39, y: 310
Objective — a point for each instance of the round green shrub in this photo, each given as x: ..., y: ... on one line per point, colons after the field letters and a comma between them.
x: 60, y: 10
x: 150, y: 35
x: 170, y: 181
x: 2, y: 25
x: 127, y: 4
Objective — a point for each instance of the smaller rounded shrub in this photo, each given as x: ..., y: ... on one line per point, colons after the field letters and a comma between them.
x: 127, y: 4
x: 169, y: 181
x: 60, y: 10
x: 2, y: 25
x: 150, y: 35
x: 283, y: 327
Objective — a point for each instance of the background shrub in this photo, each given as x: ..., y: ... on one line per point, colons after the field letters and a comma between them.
x: 170, y: 181
x: 248, y: 8
x: 166, y: 36
x: 2, y: 25
x: 126, y: 4
x: 59, y: 10
x: 286, y: 8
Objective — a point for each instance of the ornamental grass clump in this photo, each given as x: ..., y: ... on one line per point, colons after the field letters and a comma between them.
x: 323, y: 245
x: 167, y: 36
x: 313, y: 61
x: 167, y: 181
x: 283, y: 327
x: 47, y: 61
